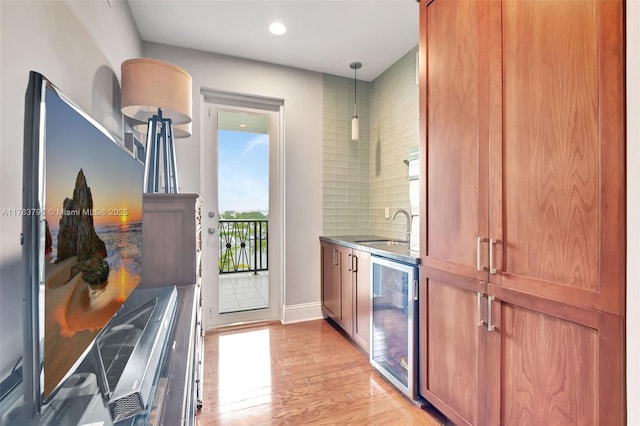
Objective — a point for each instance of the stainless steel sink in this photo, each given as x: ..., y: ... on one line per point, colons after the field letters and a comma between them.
x: 386, y: 244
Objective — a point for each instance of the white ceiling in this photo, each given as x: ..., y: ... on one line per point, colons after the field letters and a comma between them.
x: 323, y: 35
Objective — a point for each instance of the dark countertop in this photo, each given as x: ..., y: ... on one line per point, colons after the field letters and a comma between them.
x: 377, y: 246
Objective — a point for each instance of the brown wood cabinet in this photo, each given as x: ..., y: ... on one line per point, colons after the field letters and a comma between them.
x: 522, y: 276
x: 172, y: 255
x: 361, y: 280
x: 171, y: 239
x: 331, y: 296
x: 345, y: 290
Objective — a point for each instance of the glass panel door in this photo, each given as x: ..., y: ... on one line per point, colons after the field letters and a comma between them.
x: 392, y: 335
x: 242, y: 215
x: 243, y: 203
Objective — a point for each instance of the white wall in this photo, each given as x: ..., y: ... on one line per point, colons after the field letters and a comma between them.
x: 79, y: 46
x: 302, y: 94
x: 633, y: 213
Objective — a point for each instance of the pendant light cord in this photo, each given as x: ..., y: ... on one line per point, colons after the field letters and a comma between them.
x: 355, y: 66
x: 355, y: 91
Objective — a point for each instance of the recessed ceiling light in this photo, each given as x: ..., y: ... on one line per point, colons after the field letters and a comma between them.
x: 277, y: 28
x: 243, y: 125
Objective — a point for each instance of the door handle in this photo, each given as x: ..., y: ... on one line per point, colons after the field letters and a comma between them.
x: 492, y: 269
x: 335, y: 257
x: 354, y: 261
x: 211, y: 231
x: 490, y: 325
x: 481, y: 322
x: 479, y: 241
x: 350, y: 267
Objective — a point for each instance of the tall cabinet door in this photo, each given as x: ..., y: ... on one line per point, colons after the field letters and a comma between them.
x: 456, y: 219
x: 557, y: 150
x: 454, y: 255
x: 557, y: 224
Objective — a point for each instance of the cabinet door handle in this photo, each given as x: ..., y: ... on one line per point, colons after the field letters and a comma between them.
x: 479, y: 241
x: 335, y: 257
x: 492, y: 269
x: 354, y: 261
x: 350, y: 267
x: 490, y: 325
x: 481, y: 322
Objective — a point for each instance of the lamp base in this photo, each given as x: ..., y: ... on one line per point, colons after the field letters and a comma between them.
x: 160, y: 154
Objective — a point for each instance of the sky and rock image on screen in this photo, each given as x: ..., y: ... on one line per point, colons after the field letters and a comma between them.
x: 93, y: 244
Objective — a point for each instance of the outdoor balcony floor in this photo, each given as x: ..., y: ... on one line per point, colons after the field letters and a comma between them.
x: 244, y: 291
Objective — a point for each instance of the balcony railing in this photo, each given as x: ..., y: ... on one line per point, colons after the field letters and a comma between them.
x: 243, y: 245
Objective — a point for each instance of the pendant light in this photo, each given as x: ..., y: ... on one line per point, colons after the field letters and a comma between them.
x: 355, y: 122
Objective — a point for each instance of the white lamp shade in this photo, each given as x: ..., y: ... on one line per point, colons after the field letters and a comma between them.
x: 149, y: 84
x: 179, y: 130
x: 355, y: 128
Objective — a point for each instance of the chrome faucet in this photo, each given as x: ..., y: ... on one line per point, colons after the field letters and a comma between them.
x: 408, y: 229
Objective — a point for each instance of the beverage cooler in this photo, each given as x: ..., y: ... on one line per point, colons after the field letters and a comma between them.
x: 394, y: 319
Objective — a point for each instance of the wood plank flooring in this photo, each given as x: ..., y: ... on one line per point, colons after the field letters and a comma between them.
x: 297, y: 374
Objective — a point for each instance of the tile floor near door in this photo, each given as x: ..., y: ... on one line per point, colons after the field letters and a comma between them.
x: 297, y: 374
x: 244, y: 291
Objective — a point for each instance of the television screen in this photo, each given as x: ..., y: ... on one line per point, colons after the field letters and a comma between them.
x: 88, y: 230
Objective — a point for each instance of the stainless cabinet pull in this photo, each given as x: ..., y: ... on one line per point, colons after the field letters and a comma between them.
x: 350, y: 267
x: 492, y: 242
x: 335, y: 257
x: 354, y: 261
x: 481, y: 322
x: 490, y: 326
x: 479, y: 241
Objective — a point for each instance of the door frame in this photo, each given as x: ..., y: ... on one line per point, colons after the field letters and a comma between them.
x: 212, y: 101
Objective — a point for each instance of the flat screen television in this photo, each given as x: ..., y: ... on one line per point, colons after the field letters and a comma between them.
x: 82, y: 235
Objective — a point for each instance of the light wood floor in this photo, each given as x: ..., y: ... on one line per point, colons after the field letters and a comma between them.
x: 298, y: 374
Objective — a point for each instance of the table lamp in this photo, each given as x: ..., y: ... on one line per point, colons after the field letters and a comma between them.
x: 158, y: 93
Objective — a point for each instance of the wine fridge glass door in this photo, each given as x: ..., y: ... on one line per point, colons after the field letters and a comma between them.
x: 393, y: 308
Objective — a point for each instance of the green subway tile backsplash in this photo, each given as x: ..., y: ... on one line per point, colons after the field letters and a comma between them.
x: 361, y: 178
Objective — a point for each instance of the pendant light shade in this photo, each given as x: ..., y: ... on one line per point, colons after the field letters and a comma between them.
x: 355, y: 128
x: 355, y: 120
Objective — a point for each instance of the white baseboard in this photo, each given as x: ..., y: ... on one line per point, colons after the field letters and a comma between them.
x: 302, y: 312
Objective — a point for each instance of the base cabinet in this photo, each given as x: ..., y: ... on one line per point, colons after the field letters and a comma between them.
x: 552, y: 363
x: 515, y: 359
x: 345, y: 290
x: 452, y: 349
x: 172, y: 241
